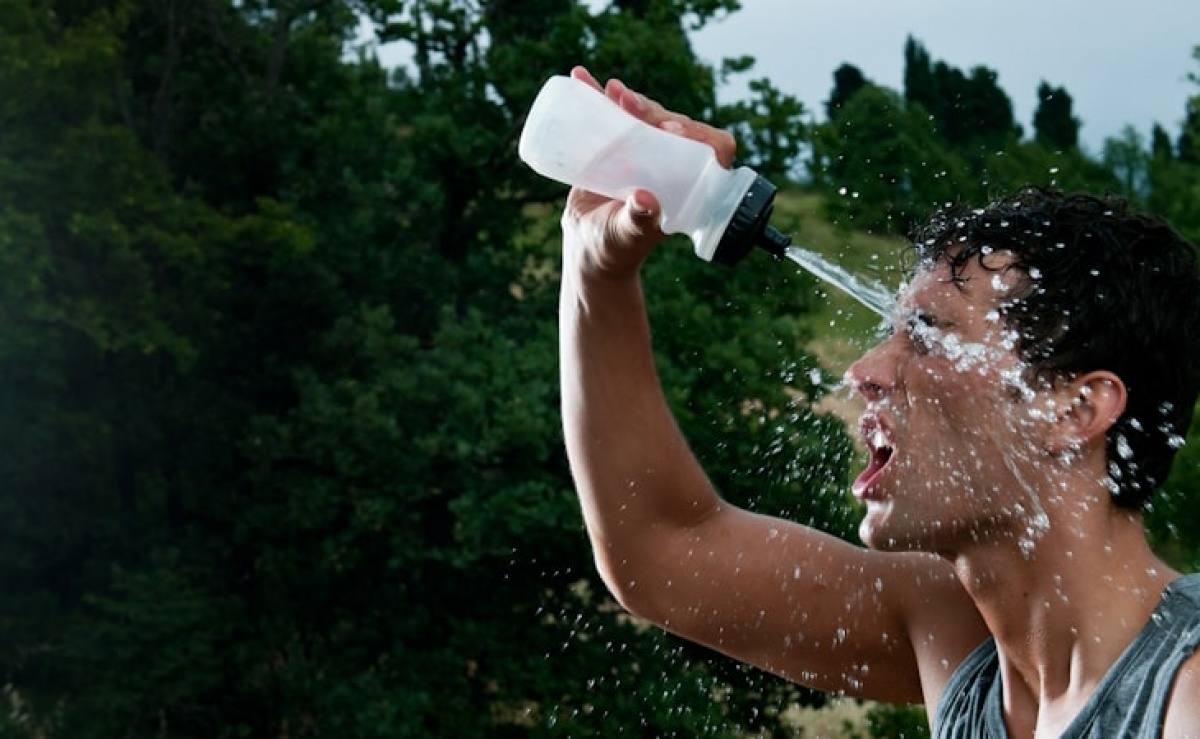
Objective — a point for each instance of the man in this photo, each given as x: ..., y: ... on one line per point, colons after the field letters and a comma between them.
x: 1041, y: 373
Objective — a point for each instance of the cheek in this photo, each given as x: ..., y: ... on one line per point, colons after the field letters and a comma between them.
x: 973, y: 407
x: 932, y: 381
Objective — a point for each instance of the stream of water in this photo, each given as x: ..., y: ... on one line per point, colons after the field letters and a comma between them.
x: 871, y: 294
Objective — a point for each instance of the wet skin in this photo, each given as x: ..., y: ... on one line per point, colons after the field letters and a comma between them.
x: 990, y: 509
x: 951, y: 420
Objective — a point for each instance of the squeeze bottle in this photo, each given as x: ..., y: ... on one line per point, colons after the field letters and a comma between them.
x: 575, y: 135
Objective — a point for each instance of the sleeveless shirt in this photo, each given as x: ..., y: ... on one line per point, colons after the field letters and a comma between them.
x: 1130, y: 700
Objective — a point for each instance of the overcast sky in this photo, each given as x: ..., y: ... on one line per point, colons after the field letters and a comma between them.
x: 1124, y: 62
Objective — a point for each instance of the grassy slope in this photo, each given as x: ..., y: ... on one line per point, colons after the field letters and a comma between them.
x: 843, y: 328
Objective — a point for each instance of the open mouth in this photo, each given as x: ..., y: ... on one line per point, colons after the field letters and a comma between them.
x: 879, y: 446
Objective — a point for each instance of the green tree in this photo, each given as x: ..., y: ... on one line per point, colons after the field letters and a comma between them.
x: 115, y: 319
x: 971, y: 113
x: 1188, y: 145
x: 847, y: 80
x: 1129, y: 161
x: 1160, y: 142
x: 282, y: 434
x: 920, y: 84
x: 1054, y: 125
x: 1179, y: 501
x: 1174, y: 177
x: 770, y: 129
x: 881, y: 164
x: 1030, y: 163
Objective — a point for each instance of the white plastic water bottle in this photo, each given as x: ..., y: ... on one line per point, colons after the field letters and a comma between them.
x: 576, y: 135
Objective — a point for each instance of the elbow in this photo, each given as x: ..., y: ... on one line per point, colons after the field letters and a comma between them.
x: 631, y: 589
x: 623, y: 591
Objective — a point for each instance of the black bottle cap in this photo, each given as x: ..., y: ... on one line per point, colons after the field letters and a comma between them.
x: 750, y: 227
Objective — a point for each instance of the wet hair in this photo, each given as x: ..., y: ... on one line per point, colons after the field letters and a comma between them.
x: 1104, y: 288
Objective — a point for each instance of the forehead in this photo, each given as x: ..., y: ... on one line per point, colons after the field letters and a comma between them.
x: 977, y: 287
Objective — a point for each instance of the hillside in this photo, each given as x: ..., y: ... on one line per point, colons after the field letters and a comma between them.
x: 843, y: 327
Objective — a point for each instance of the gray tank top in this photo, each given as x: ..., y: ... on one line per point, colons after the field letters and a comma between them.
x: 1130, y: 700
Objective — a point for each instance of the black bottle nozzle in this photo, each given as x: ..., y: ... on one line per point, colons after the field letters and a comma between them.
x: 774, y: 241
x: 750, y: 226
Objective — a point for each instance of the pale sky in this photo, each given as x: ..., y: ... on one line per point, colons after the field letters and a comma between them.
x: 1124, y: 62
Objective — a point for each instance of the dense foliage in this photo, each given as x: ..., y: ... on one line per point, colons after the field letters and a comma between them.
x: 282, y: 454
x: 886, y: 157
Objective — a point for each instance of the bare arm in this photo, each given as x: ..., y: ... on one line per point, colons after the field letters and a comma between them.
x: 785, y: 597
x: 1183, y: 711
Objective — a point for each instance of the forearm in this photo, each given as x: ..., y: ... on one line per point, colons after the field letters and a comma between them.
x: 637, y: 480
x: 643, y: 494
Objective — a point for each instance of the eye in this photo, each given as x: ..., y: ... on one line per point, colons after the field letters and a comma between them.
x: 922, y: 332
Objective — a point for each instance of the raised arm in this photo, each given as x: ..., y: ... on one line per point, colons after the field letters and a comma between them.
x: 785, y: 597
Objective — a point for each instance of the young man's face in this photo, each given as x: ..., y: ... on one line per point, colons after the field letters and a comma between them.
x: 954, y: 431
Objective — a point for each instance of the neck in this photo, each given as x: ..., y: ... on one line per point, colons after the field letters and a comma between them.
x: 1062, y: 606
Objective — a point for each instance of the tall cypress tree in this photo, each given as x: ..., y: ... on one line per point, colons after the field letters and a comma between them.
x: 1054, y: 124
x: 847, y: 80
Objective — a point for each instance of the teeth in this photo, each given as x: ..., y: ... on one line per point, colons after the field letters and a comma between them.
x: 878, y: 439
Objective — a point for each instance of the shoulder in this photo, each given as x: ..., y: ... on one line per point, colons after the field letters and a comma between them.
x: 1182, y: 718
x: 949, y: 636
x: 963, y: 703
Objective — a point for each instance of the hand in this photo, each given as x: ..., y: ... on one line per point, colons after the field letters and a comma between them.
x: 609, y: 237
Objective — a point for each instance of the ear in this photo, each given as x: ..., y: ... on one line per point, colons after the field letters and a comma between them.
x: 1093, y: 403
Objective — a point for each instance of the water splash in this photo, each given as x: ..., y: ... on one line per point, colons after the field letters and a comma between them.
x: 871, y: 294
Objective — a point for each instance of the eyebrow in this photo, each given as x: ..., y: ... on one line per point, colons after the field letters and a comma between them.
x: 918, y: 315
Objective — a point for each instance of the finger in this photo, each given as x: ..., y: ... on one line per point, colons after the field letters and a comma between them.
x: 723, y: 144
x: 633, y: 102
x: 643, y: 210
x: 652, y: 112
x: 582, y: 74
x: 637, y: 104
x: 641, y: 207
x: 636, y: 224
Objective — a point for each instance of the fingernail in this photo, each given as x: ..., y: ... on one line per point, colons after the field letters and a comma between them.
x: 638, y: 205
x: 637, y: 101
x: 672, y: 126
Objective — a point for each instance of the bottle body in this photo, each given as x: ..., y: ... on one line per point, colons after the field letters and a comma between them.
x: 575, y: 135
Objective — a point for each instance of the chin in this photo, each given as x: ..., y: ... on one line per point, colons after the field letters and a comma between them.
x: 873, y: 529
x: 879, y: 531
x: 867, y: 535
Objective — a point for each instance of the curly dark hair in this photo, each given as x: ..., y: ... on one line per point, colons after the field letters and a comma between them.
x: 1105, y: 287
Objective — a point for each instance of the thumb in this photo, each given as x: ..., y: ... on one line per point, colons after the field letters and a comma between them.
x: 639, y: 219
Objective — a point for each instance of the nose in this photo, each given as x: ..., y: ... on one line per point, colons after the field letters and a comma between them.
x: 874, y: 375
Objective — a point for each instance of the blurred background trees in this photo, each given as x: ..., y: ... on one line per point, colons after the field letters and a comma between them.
x: 280, y: 422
